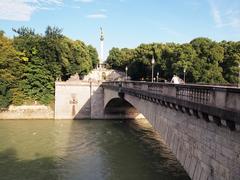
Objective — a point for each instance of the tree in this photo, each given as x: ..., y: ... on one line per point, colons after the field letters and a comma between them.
x: 10, y: 70
x: 93, y: 55
x: 210, y: 54
x: 231, y: 61
x: 204, y: 60
x: 24, y: 31
x: 53, y: 32
x: 185, y: 55
x: 47, y: 58
x: 114, y: 59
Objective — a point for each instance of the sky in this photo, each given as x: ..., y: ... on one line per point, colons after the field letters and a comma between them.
x: 126, y: 23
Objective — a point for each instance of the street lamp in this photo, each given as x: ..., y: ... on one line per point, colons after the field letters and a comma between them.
x: 126, y: 69
x: 184, y: 72
x: 157, y: 76
x: 239, y: 75
x: 153, y: 62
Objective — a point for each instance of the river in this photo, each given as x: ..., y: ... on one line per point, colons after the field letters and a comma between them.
x: 84, y: 150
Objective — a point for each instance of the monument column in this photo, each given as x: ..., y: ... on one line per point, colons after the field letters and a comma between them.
x: 101, y: 48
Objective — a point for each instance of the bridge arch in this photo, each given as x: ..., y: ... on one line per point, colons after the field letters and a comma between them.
x: 119, y: 108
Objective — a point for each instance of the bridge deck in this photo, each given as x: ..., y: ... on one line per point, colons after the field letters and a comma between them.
x: 213, y: 103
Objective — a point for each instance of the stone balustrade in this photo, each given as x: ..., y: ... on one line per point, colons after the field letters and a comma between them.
x: 213, y: 103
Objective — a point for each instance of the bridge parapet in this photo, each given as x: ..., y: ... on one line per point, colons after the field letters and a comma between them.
x: 213, y: 103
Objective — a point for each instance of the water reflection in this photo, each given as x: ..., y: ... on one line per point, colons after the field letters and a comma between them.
x: 85, y: 149
x: 11, y: 167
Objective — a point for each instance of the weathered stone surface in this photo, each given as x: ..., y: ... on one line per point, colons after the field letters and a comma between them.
x: 28, y: 112
x: 78, y: 100
x: 192, y: 168
x: 198, y: 171
x: 204, y: 149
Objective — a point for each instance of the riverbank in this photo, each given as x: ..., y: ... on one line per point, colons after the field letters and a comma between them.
x: 27, y: 112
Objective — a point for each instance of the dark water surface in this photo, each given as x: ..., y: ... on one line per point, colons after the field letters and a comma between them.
x: 84, y: 150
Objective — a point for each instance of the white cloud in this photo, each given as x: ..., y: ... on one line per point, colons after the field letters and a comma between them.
x: 76, y: 7
x: 97, y: 16
x: 22, y: 10
x: 84, y: 1
x: 225, y: 16
x: 15, y: 10
x: 216, y: 14
x: 103, y: 10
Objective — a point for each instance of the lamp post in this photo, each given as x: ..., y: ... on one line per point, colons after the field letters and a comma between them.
x: 153, y: 62
x: 184, y: 72
x: 239, y: 75
x: 157, y: 76
x: 126, y: 69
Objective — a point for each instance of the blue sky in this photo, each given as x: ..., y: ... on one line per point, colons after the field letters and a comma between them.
x: 126, y: 23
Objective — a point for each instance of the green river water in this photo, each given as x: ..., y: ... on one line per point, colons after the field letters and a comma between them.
x: 84, y: 150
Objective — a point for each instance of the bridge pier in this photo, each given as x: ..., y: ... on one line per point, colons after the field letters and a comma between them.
x: 79, y: 100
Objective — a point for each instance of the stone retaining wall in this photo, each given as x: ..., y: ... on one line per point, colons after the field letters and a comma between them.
x: 78, y: 100
x: 27, y: 112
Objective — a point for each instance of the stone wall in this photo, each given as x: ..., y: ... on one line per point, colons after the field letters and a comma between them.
x: 78, y: 100
x: 28, y: 112
x: 103, y: 74
x: 206, y: 151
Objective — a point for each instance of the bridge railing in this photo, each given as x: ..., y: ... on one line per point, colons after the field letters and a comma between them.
x: 219, y: 96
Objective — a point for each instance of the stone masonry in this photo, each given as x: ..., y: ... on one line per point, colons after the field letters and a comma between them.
x: 205, y: 150
x: 78, y: 100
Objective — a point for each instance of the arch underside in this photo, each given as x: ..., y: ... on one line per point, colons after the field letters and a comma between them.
x: 118, y: 108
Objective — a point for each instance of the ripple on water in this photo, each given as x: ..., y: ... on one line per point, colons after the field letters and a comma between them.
x: 86, y: 149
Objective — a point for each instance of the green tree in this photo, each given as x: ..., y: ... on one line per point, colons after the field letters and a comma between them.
x: 10, y: 71
x: 204, y: 60
x: 210, y: 54
x: 185, y: 55
x: 93, y: 55
x: 231, y: 61
x: 49, y: 57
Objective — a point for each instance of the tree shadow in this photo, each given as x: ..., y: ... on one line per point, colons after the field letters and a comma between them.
x: 12, y: 168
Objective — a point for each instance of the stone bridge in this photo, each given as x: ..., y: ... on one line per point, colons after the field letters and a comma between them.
x: 200, y: 124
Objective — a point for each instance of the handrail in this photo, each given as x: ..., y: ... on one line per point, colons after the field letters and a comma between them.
x: 218, y: 96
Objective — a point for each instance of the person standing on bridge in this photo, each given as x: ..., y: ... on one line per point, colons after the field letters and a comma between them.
x: 175, y: 79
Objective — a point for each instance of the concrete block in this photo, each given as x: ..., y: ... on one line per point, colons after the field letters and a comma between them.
x: 198, y: 171
x: 229, y: 153
x: 169, y: 136
x: 179, y: 150
x: 175, y: 145
x: 165, y: 134
x: 223, y: 172
x: 223, y: 122
x: 204, y: 175
x: 237, y: 127
x: 172, y: 141
x: 183, y: 156
x: 214, y: 167
x: 187, y: 160
x: 192, y: 167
